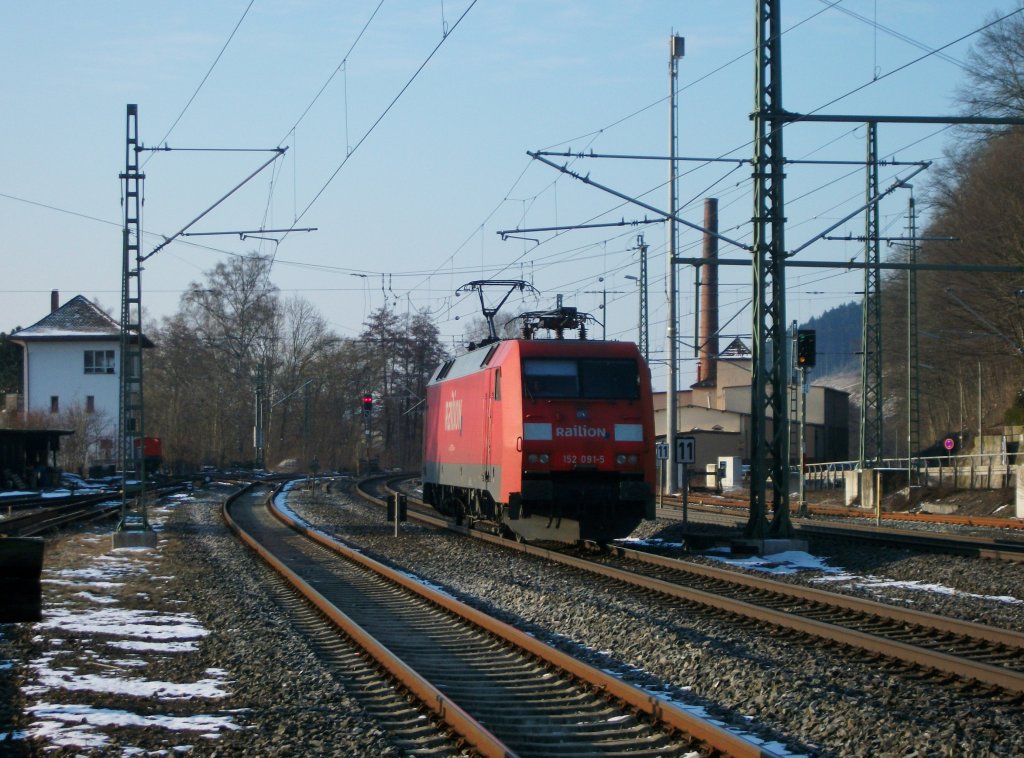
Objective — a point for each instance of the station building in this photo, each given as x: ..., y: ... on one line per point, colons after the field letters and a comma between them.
x: 70, y: 376
x: 715, y: 411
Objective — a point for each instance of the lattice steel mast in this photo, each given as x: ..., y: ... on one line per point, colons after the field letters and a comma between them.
x: 769, y: 446
x: 643, y: 336
x: 133, y: 528
x: 913, y: 357
x: 871, y: 429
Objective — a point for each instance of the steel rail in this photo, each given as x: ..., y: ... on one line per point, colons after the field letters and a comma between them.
x: 643, y: 702
x: 1012, y: 681
x: 958, y: 544
x: 460, y: 721
x: 31, y: 524
x: 987, y: 522
x: 992, y: 634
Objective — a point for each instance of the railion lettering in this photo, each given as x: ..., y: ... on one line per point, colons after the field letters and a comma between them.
x: 581, y: 430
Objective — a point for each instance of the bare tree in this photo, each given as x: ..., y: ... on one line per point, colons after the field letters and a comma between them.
x: 995, y: 71
x: 295, y: 378
x: 78, y: 451
x: 235, y: 314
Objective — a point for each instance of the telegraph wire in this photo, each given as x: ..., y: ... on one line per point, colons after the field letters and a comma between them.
x: 334, y: 73
x: 914, y: 61
x: 688, y: 85
x: 207, y: 76
x: 385, y: 111
x: 900, y: 36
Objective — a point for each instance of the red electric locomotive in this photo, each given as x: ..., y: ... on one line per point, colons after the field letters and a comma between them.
x: 551, y: 439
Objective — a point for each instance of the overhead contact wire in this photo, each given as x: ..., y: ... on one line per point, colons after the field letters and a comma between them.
x: 386, y: 111
x: 207, y: 76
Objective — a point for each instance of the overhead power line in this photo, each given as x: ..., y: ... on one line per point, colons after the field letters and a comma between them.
x: 334, y: 73
x: 385, y: 112
x: 207, y: 76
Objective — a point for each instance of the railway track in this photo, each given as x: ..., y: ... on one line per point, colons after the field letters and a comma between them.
x: 42, y: 520
x: 995, y: 548
x: 973, y: 653
x: 724, y: 502
x: 502, y: 691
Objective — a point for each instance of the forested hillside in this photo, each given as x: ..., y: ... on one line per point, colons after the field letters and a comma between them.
x: 838, y: 340
x: 970, y: 324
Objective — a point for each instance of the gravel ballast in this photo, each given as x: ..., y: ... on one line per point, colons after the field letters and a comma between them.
x: 179, y: 650
x: 824, y: 700
x: 252, y: 684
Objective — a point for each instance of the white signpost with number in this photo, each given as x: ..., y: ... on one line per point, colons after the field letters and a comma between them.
x: 686, y: 456
x: 686, y: 450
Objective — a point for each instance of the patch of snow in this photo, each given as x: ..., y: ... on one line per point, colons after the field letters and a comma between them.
x: 67, y: 679
x: 87, y: 715
x: 789, y: 562
x: 140, y: 624
x: 176, y: 646
x: 877, y: 584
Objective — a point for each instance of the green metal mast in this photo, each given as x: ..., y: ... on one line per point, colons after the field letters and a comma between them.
x: 133, y: 529
x: 913, y: 365
x: 769, y: 446
x: 871, y: 448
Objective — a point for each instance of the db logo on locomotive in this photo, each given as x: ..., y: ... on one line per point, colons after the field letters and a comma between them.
x: 453, y: 414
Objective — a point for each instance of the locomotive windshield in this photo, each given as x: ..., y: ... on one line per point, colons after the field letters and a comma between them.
x: 586, y: 378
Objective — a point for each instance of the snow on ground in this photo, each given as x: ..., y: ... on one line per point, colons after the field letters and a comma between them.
x: 102, y: 633
x: 879, y: 584
x: 794, y: 561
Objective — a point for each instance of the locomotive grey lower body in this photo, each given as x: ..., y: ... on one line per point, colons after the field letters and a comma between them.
x: 560, y: 507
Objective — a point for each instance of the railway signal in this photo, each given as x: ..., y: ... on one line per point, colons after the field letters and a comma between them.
x: 806, y: 352
x: 367, y: 405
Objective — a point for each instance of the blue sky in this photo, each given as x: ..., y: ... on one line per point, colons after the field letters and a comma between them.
x: 413, y: 211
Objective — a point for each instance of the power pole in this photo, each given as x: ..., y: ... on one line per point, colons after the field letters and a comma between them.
x: 769, y: 448
x: 133, y: 529
x: 258, y: 431
x: 676, y: 48
x: 871, y: 441
x: 913, y: 366
x: 642, y: 282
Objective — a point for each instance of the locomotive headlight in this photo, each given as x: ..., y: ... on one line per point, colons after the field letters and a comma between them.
x: 532, y: 458
x: 633, y: 458
x: 544, y: 457
x: 620, y: 459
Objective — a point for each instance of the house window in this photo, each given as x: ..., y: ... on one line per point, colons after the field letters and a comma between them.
x: 90, y: 403
x: 99, y: 361
x: 54, y: 404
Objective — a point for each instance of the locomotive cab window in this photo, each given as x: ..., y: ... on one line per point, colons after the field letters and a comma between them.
x: 610, y: 379
x: 586, y: 378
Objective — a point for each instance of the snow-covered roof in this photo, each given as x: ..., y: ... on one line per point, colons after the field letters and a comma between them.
x: 735, y: 349
x: 77, y: 319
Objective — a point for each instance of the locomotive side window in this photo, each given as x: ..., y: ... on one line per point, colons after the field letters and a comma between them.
x: 591, y: 378
x: 445, y: 368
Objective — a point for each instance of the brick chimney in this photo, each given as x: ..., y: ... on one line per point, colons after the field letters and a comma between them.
x: 707, y: 367
x: 54, y: 300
